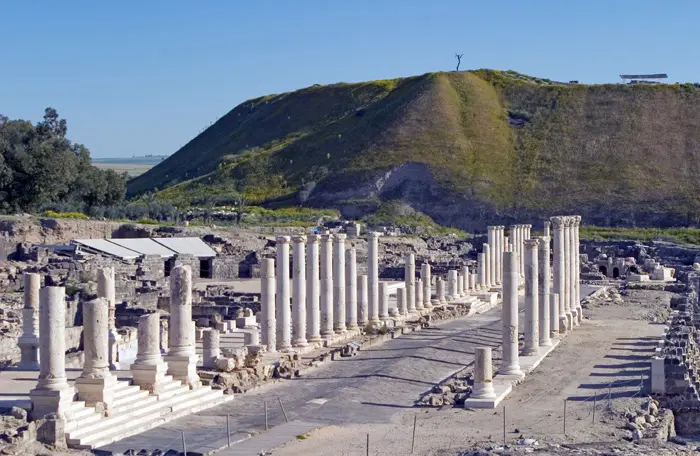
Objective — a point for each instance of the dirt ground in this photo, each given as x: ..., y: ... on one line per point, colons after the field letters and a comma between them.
x: 606, y: 358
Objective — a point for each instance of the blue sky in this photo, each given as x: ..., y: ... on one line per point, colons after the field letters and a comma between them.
x: 144, y: 77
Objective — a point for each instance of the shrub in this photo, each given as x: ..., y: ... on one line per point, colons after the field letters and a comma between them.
x: 68, y: 215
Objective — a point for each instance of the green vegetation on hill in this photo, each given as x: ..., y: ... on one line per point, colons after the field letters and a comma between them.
x: 489, y: 142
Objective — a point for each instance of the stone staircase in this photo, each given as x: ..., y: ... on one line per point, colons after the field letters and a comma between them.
x: 135, y: 410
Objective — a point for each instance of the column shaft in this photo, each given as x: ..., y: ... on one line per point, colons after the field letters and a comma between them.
x: 567, y: 274
x: 282, y: 302
x: 559, y: 273
x: 339, y: 283
x: 211, y: 348
x: 544, y: 289
x: 383, y: 300
x: 29, y: 340
x: 373, y: 275
x: 577, y: 268
x: 106, y: 289
x: 419, y: 294
x: 351, y: 288
x: 182, y: 359
x: 299, y: 293
x: 510, y: 364
x: 267, y: 304
x: 483, y: 374
x: 410, y: 282
x: 492, y: 255
x: 401, y: 301
x: 313, y: 291
x: 148, y: 370
x: 452, y: 293
x: 327, y: 286
x: 532, y: 337
x: 425, y: 274
x: 481, y: 272
x: 362, y: 301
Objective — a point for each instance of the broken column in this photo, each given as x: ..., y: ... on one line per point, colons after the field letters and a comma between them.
x: 577, y: 266
x: 401, y: 301
x: 327, y: 286
x: 339, y: 283
x: 452, y: 285
x: 182, y: 359
x: 284, y: 317
x: 267, y: 305
x: 558, y: 269
x: 383, y: 300
x: 532, y: 336
x: 491, y: 266
x: 96, y: 383
x: 544, y: 289
x: 439, y: 292
x: 510, y: 364
x: 313, y: 291
x: 106, y: 289
x: 52, y: 393
x: 299, y: 293
x: 481, y: 271
x: 29, y: 340
x: 483, y: 374
x: 373, y: 274
x: 425, y: 274
x: 419, y: 294
x: 351, y: 288
x: 148, y: 370
x: 362, y: 301
x: 410, y: 282
x: 211, y: 348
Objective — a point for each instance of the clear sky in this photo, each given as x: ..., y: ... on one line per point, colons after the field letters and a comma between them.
x: 136, y: 77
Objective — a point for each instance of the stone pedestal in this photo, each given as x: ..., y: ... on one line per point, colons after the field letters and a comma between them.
x: 362, y: 301
x: 425, y: 274
x: 148, y: 370
x: 106, y: 289
x: 182, y: 359
x: 532, y: 336
x: 211, y: 348
x: 510, y: 364
x: 543, y: 292
x: 351, y: 289
x: 339, y: 284
x: 327, y: 286
x: 313, y: 291
x: 299, y: 292
x: 267, y: 305
x: 410, y: 282
x: 52, y: 393
x: 373, y: 274
x: 401, y: 301
x: 282, y: 301
x: 96, y: 383
x: 483, y: 374
x: 29, y: 340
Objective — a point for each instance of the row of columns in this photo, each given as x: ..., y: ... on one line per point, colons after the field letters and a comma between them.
x: 566, y: 270
x: 96, y: 383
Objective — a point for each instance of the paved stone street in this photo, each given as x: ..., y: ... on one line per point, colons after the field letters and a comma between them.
x: 368, y: 388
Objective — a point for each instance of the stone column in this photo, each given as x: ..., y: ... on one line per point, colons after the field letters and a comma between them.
x: 313, y: 291
x: 473, y: 281
x: 267, y: 304
x: 299, y: 292
x: 577, y: 267
x: 29, y: 340
x: 401, y: 301
x: 106, y: 289
x: 425, y: 275
x: 465, y: 278
x: 544, y: 290
x: 327, y: 286
x: 284, y: 314
x: 487, y: 264
x: 410, y: 282
x: 440, y: 290
x: 510, y: 364
x: 96, y: 383
x: 483, y: 374
x: 435, y: 301
x: 481, y: 272
x: 148, y: 370
x: 419, y: 294
x: 182, y: 359
x: 559, y: 273
x: 493, y: 248
x: 339, y: 284
x: 532, y: 336
x: 52, y: 393
x: 528, y: 229
x: 373, y: 274
x: 501, y: 248
x: 211, y: 348
x: 362, y: 301
x: 383, y: 300
x: 547, y: 226
x: 460, y: 283
x: 452, y: 285
x: 570, y: 315
x: 351, y: 288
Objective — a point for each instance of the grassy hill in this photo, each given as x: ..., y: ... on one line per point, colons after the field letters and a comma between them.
x: 466, y: 148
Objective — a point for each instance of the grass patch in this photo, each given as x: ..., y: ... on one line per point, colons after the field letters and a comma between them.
x: 395, y: 213
x: 65, y: 215
x: 676, y: 235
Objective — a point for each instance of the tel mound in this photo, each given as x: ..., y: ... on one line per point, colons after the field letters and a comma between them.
x: 459, y: 146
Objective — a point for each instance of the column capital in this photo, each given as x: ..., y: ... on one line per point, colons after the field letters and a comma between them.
x: 299, y: 239
x: 558, y: 222
x: 527, y: 226
x: 544, y: 239
x: 576, y: 220
x: 326, y: 237
x: 283, y: 239
x: 340, y: 237
x: 532, y: 242
x: 313, y: 239
x: 373, y: 234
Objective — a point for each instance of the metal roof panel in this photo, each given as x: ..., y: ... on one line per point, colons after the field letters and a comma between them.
x: 145, y: 246
x: 188, y: 246
x: 104, y: 246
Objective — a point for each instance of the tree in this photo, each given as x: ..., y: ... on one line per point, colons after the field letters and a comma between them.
x: 240, y: 201
x: 459, y: 59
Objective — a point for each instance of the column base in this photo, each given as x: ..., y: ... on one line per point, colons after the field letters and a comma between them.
x: 530, y: 351
x: 563, y: 324
x: 579, y: 314
x: 569, y: 320
x: 315, y: 339
x: 546, y: 342
x: 513, y: 369
x: 300, y: 343
x: 352, y: 326
x: 96, y: 390
x: 45, y: 402
x: 483, y: 391
x: 149, y: 377
x: 434, y: 302
x: 339, y: 331
x: 184, y: 368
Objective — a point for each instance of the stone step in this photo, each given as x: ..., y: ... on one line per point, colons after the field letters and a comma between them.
x: 114, y: 428
x: 132, y: 396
